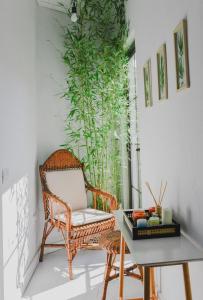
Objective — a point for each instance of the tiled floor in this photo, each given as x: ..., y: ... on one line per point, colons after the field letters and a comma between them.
x: 49, y: 281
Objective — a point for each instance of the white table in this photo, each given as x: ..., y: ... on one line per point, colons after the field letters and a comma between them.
x: 151, y: 253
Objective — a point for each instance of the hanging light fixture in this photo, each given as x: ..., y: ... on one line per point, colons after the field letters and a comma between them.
x: 74, y: 16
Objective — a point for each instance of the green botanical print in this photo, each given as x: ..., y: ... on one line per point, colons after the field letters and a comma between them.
x: 147, y: 84
x: 97, y: 89
x: 161, y: 73
x: 180, y: 59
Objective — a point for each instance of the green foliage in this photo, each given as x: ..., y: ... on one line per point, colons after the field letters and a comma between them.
x: 97, y: 88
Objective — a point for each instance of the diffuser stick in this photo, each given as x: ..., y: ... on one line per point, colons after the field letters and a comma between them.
x: 148, y: 186
x: 160, y: 194
x: 163, y: 193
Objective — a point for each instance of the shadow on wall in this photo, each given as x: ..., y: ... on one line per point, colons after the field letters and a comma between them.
x: 15, y: 218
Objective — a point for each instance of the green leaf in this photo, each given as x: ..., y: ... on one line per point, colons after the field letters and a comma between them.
x: 97, y: 87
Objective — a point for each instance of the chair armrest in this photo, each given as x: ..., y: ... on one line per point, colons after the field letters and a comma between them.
x: 48, y: 196
x: 106, y: 197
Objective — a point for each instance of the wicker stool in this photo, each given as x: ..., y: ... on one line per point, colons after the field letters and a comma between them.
x: 111, y: 243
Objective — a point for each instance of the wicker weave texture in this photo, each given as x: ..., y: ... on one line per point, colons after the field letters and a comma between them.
x: 74, y: 237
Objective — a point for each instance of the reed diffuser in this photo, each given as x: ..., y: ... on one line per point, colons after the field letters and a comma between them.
x: 158, y: 201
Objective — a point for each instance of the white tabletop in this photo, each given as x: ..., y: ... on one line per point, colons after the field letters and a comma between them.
x: 159, y: 252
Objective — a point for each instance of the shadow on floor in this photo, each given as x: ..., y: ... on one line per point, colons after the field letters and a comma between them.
x: 51, y: 276
x: 50, y: 280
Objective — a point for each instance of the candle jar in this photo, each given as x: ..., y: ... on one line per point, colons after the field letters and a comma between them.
x: 167, y: 217
x: 153, y: 221
x: 141, y: 223
x: 158, y: 210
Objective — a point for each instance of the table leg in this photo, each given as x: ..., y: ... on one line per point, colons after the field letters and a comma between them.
x: 186, y: 274
x: 122, y: 255
x: 152, y: 285
x: 146, y: 283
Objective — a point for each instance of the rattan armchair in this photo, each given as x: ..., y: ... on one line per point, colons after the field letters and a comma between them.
x: 64, y: 188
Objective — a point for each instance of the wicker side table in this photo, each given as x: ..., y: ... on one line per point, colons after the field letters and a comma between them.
x: 111, y: 243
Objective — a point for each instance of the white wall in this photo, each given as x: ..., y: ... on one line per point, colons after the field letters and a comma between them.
x: 32, y: 114
x: 51, y: 108
x: 172, y: 131
x: 18, y: 151
x: 51, y: 75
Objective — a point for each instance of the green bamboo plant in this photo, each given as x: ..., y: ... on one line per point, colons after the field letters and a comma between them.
x: 97, y: 88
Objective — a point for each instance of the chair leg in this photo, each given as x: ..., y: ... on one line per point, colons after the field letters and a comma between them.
x: 70, y: 259
x: 121, y: 277
x: 43, y: 242
x: 140, y: 268
x: 107, y: 275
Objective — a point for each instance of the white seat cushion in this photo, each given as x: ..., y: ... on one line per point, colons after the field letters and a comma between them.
x: 69, y: 186
x: 86, y: 216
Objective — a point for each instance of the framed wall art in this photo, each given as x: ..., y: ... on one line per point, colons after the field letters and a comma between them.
x: 147, y: 83
x: 162, y: 72
x: 181, y: 55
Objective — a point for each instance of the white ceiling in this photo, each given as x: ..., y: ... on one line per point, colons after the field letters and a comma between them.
x: 54, y: 4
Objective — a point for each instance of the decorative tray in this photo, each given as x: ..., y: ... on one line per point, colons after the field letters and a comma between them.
x: 149, y: 232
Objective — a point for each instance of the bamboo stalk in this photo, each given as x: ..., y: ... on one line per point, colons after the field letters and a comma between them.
x: 97, y: 85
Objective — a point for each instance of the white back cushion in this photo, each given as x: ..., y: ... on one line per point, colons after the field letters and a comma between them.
x: 69, y: 186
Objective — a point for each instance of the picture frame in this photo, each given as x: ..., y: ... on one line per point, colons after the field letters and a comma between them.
x: 162, y: 72
x: 147, y: 83
x: 181, y: 55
